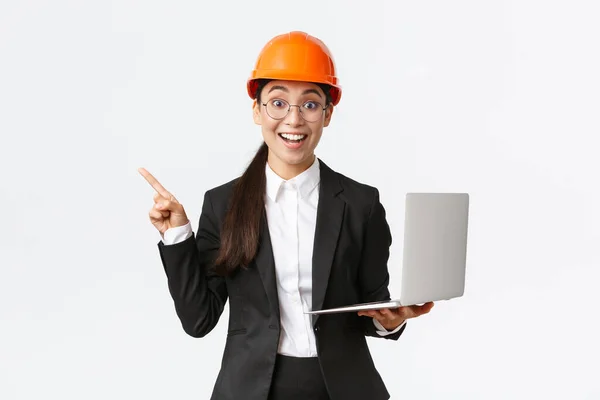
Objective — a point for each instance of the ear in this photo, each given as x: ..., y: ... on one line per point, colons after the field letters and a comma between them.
x: 328, y: 113
x: 256, y: 113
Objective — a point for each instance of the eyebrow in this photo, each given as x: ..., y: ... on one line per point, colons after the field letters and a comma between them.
x: 283, y: 88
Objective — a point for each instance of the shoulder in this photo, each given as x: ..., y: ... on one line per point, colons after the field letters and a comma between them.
x: 354, y: 192
x: 356, y: 188
x: 223, y: 191
x: 219, y: 196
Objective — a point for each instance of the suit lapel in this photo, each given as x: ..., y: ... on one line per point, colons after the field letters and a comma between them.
x: 266, y: 266
x: 330, y: 212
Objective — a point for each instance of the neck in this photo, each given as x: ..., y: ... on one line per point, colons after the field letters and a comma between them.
x: 289, y: 171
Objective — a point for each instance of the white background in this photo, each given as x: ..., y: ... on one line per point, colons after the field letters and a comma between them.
x: 496, y: 98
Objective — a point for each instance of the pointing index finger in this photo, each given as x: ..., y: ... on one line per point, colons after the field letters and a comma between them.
x: 155, y: 184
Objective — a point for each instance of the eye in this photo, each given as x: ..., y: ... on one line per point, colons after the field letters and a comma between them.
x: 278, y: 103
x: 311, y: 105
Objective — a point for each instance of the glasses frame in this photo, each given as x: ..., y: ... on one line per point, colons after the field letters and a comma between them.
x: 295, y: 105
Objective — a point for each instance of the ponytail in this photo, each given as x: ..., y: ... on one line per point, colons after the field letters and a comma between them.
x: 241, y: 228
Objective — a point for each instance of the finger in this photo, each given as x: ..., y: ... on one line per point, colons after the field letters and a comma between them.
x: 384, y: 313
x: 423, y: 308
x: 367, y: 313
x: 159, y: 204
x: 156, y: 215
x: 406, y: 312
x: 155, y: 184
x: 390, y: 315
x: 379, y: 316
x: 416, y: 311
x: 168, y: 205
x: 157, y: 197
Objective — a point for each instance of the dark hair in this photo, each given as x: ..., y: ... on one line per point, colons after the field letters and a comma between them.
x: 240, y: 232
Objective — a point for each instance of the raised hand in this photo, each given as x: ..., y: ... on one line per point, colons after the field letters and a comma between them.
x: 167, y: 212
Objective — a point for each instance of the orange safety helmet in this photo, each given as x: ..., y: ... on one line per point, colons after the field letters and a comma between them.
x: 296, y: 56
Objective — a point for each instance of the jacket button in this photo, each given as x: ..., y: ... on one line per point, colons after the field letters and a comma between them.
x: 316, y: 328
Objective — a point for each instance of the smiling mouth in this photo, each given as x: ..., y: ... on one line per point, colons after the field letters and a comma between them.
x: 292, y: 138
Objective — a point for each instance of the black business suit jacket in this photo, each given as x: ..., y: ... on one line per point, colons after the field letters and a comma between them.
x: 351, y: 250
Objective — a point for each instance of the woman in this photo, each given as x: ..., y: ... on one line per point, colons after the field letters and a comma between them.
x: 289, y: 235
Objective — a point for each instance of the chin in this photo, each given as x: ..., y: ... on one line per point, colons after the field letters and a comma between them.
x: 292, y: 160
x: 291, y: 157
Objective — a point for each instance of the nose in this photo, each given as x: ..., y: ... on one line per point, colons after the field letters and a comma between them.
x: 293, y: 118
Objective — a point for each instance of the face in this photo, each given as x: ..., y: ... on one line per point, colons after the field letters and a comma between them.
x: 291, y: 140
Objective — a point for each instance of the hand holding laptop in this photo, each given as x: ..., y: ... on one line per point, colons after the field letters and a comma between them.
x: 391, y: 318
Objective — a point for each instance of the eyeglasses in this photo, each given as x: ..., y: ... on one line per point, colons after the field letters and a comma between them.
x: 310, y: 111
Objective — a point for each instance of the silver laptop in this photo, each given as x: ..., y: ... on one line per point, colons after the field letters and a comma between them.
x: 434, y: 255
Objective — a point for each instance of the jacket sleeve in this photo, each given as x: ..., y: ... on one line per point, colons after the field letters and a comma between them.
x: 373, y: 271
x: 199, y: 294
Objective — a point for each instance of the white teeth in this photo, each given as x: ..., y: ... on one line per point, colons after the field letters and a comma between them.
x: 292, y: 137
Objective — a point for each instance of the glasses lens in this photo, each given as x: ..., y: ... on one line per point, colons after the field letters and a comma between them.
x: 311, y: 111
x: 277, y: 109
